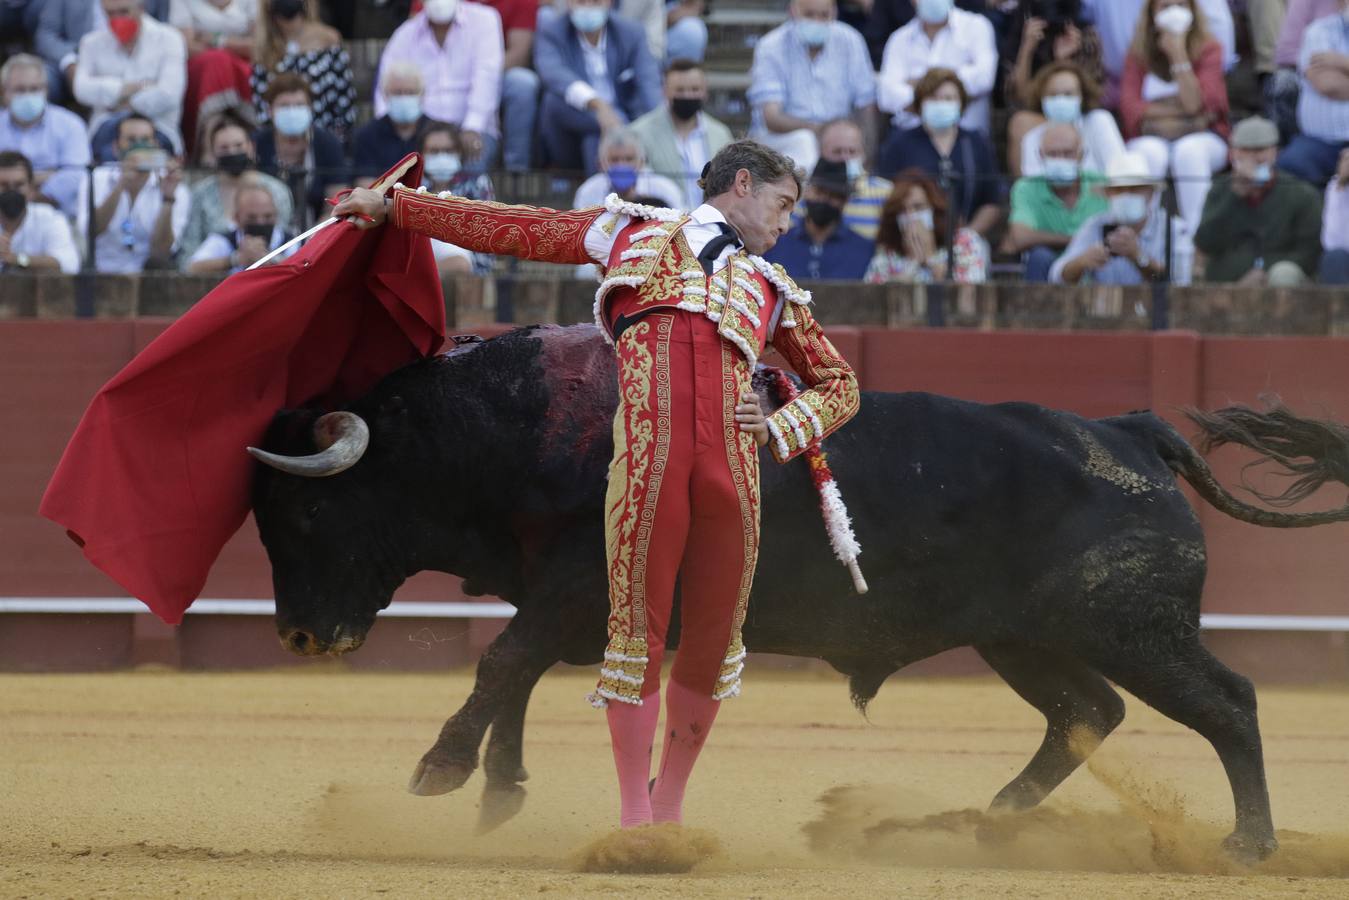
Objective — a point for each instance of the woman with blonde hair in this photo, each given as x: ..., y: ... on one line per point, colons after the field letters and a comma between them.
x: 1173, y: 101
x: 290, y: 38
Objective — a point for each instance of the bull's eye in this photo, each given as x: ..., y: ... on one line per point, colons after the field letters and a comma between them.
x: 312, y: 511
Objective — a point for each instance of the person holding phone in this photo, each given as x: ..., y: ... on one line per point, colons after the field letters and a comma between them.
x: 140, y: 204
x: 254, y: 235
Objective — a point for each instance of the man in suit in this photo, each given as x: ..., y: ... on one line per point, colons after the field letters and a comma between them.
x: 678, y: 137
x: 597, y: 75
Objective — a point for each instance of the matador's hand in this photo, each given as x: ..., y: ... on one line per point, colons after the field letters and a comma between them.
x: 751, y: 418
x: 364, y: 207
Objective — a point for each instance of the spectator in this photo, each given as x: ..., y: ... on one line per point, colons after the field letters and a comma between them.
x: 842, y: 141
x: 1127, y: 243
x: 597, y: 75
x: 911, y: 243
x: 519, y: 84
x: 304, y: 155
x: 140, y: 204
x: 821, y: 247
x: 291, y: 39
x: 1049, y: 33
x: 1260, y: 227
x: 60, y: 26
x: 685, y: 30
x: 650, y: 14
x: 1117, y: 24
x: 257, y: 231
x: 623, y: 171
x: 806, y: 72
x: 962, y: 161
x: 458, y: 47
x: 679, y: 138
x: 1323, y: 107
x: 33, y: 236
x: 1048, y: 209
x: 219, y: 38
x: 380, y: 144
x: 1335, y: 227
x: 51, y: 139
x: 940, y: 37
x: 234, y: 157
x: 134, y: 65
x: 1282, y: 86
x: 1173, y: 101
x: 1063, y: 94
x: 442, y: 170
x: 888, y: 16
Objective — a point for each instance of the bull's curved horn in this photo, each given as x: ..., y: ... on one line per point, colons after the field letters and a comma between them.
x: 342, y: 438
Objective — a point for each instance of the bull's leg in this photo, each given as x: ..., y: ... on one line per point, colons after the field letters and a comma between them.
x: 1079, y: 706
x: 1192, y: 687
x: 503, y: 761
x: 503, y: 666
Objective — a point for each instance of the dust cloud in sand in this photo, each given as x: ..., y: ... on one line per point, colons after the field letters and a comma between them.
x: 292, y: 784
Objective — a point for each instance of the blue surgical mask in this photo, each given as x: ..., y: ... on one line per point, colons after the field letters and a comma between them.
x: 587, y: 19
x: 405, y: 108
x: 1062, y: 108
x: 622, y: 178
x: 934, y: 11
x: 26, y: 107
x: 441, y: 166
x: 853, y: 168
x: 811, y: 32
x: 1128, y: 207
x: 292, y: 121
x: 1061, y: 171
x: 923, y: 217
x: 1262, y: 174
x: 941, y: 114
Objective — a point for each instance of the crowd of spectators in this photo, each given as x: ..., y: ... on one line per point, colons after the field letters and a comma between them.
x: 1063, y: 140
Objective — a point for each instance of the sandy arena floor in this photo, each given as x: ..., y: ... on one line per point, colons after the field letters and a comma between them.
x: 292, y: 784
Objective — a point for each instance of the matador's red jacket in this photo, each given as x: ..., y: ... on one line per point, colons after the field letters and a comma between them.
x: 647, y: 264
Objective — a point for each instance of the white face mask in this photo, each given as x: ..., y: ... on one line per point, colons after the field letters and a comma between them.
x: 1062, y: 107
x: 853, y: 168
x: 441, y: 11
x: 441, y: 166
x: 1129, y: 207
x: 934, y: 11
x: 1175, y: 19
x: 1061, y: 171
x: 923, y: 217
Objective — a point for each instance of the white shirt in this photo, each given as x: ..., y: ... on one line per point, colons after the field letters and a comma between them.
x: 1101, y: 140
x: 159, y: 57
x: 124, y: 245
x: 965, y: 44
x: 579, y: 93
x: 701, y: 228
x: 217, y: 246
x: 693, y: 151
x: 235, y: 19
x: 45, y: 232
x: 595, y: 188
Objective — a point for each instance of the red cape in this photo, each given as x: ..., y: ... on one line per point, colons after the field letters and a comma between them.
x: 156, y: 478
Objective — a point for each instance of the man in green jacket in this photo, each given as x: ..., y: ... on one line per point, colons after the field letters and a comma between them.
x: 678, y: 137
x: 1261, y: 227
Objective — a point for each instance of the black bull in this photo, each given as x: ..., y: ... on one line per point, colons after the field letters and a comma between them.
x: 1059, y: 547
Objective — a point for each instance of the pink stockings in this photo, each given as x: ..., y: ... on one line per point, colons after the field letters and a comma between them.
x: 688, y: 719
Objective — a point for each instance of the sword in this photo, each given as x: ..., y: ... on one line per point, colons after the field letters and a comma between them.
x: 293, y: 241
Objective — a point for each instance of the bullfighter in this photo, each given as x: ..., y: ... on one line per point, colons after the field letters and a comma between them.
x: 689, y: 305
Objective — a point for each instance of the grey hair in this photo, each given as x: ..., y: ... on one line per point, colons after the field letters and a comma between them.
x: 20, y: 61
x: 402, y: 70
x: 764, y: 164
x: 622, y: 137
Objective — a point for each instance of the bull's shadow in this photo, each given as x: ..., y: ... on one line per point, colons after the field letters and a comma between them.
x: 1059, y: 547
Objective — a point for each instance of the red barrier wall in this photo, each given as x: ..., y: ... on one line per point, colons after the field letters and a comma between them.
x: 50, y: 369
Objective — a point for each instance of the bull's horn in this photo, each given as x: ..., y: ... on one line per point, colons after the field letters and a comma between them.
x: 342, y: 438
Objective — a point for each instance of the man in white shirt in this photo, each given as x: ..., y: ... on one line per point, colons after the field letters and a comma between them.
x: 53, y: 139
x: 34, y: 237
x: 141, y: 204
x: 940, y: 36
x: 254, y: 235
x: 135, y: 64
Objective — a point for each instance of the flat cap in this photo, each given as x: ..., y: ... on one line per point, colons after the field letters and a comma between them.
x: 1255, y: 133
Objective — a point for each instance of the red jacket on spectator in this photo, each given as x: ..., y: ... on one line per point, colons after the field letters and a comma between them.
x: 1208, y: 68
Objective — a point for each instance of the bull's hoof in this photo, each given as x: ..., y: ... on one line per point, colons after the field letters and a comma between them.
x: 1249, y: 850
x: 432, y: 778
x: 500, y: 803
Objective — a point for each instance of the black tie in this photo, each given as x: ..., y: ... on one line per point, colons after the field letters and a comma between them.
x: 709, y: 254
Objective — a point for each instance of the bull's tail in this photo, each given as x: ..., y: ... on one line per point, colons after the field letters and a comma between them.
x: 1312, y: 452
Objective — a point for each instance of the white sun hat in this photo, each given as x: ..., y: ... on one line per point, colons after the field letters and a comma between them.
x: 1129, y: 169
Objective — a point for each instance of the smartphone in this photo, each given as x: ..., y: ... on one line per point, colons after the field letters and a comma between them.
x: 1106, y: 231
x: 151, y: 160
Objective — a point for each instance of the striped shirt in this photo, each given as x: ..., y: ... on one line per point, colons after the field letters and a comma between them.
x: 830, y: 86
x: 1317, y: 115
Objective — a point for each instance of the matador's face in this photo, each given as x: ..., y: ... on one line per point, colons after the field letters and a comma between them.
x: 764, y: 213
